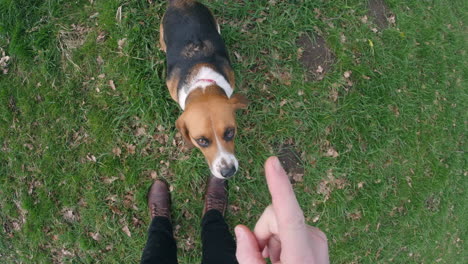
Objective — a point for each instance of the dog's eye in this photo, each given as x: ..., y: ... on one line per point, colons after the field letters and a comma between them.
x: 203, y: 142
x: 229, y: 134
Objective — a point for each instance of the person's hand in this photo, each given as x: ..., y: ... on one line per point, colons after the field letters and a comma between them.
x: 281, y: 233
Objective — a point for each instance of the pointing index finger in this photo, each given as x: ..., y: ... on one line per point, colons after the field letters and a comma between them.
x: 287, y: 210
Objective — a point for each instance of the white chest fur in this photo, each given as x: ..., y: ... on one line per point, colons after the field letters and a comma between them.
x: 202, y: 79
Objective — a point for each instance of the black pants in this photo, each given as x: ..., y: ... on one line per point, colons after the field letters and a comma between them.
x: 217, y: 242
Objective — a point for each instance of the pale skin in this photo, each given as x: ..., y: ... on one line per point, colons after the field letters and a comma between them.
x: 281, y: 233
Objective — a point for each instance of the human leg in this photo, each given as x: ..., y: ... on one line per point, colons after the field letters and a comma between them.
x: 161, y: 246
x: 217, y: 241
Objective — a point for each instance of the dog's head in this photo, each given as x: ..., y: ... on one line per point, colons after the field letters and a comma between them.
x: 209, y: 124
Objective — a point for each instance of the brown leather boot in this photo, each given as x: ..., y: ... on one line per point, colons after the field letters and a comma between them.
x: 159, y: 199
x: 216, y: 196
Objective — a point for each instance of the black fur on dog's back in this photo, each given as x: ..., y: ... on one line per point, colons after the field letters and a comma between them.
x: 191, y: 36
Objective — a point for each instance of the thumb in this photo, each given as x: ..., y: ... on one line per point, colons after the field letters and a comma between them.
x: 247, y: 247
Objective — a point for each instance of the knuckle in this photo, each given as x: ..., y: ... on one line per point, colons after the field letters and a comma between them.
x: 316, y: 232
x: 295, y: 220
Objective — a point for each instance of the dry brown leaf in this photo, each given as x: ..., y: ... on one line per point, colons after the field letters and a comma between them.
x: 234, y: 208
x: 116, y: 210
x: 238, y: 56
x: 364, y: 19
x: 110, y: 180
x: 331, y: 152
x: 112, y: 198
x: 94, y: 15
x: 333, y: 94
x: 96, y: 236
x: 189, y: 243
x: 99, y: 60
x: 324, y: 188
x: 117, y: 151
x: 4, y: 62
x: 131, y: 149
x: 67, y: 253
x: 397, y: 209
x: 395, y: 110
x: 340, y: 183
x: 118, y: 15
x: 101, y: 37
x: 347, y: 74
x: 121, y: 43
x: 315, y: 219
x: 16, y: 226
x: 129, y: 200
x: 354, y: 215
x: 69, y: 215
x: 141, y: 131
x: 82, y: 202
x: 285, y: 78
x: 126, y: 231
x: 136, y: 222
x: 112, y: 85
x: 409, y: 181
x: 300, y: 51
x: 342, y: 38
x: 91, y: 158
x: 319, y: 69
x: 298, y: 177
x: 283, y: 102
x: 29, y: 146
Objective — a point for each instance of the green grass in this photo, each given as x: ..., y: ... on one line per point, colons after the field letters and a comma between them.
x: 400, y: 132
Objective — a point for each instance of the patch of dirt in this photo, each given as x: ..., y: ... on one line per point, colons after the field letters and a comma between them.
x: 433, y: 203
x: 12, y: 105
x: 380, y: 12
x: 291, y: 162
x: 72, y: 39
x: 70, y: 215
x: 7, y: 227
x: 314, y: 55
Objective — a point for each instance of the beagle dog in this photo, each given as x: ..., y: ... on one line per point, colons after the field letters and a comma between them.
x: 201, y: 80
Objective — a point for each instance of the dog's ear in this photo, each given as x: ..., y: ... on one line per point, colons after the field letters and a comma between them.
x: 180, y: 124
x: 238, y: 101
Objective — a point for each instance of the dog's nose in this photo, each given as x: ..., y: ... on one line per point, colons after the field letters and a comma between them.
x: 228, y: 172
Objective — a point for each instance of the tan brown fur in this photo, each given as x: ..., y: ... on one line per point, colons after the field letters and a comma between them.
x: 208, y: 113
x: 162, y: 43
x: 230, y: 75
x: 172, y: 83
